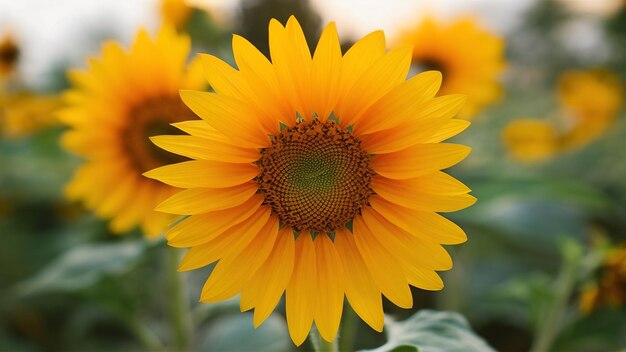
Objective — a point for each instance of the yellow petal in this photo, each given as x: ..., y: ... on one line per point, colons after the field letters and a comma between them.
x: 301, y: 295
x: 429, y: 193
x: 428, y: 225
x: 200, y: 128
x: 420, y: 126
x: 423, y: 278
x: 418, y: 160
x: 359, y: 58
x: 449, y: 130
x: 401, y: 103
x: 330, y: 283
x: 231, y: 117
x: 203, y: 149
x: 232, y: 272
x: 198, y: 229
x: 361, y: 291
x: 229, y: 243
x: 267, y: 286
x: 326, y: 72
x: 382, y: 265
x: 410, y: 250
x: 203, y: 200
x: 204, y: 173
x: 382, y: 76
x: 291, y: 59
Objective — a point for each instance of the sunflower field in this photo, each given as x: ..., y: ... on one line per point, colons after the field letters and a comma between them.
x: 313, y: 175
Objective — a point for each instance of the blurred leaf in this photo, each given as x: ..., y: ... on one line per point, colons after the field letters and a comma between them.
x: 432, y: 331
x: 83, y: 266
x: 237, y: 333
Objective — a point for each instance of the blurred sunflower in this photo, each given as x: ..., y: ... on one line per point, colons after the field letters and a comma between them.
x: 610, y: 287
x: 318, y: 177
x: 9, y: 55
x: 470, y: 58
x: 531, y: 140
x: 114, y: 106
x: 591, y: 100
x: 24, y: 113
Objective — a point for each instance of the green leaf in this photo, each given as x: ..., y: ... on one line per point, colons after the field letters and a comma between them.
x: 237, y: 333
x: 432, y: 331
x: 83, y: 266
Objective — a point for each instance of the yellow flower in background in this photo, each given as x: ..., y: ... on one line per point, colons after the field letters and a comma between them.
x: 316, y: 177
x: 470, y: 58
x: 610, y: 287
x: 175, y: 12
x: 531, y: 140
x: 9, y: 55
x: 24, y: 113
x: 591, y: 100
x: 114, y: 106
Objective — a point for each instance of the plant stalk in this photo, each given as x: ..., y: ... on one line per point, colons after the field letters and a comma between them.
x: 179, y: 311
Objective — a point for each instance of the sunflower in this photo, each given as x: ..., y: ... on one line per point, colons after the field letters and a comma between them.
x: 470, y: 58
x: 316, y: 177
x: 25, y: 112
x: 591, y: 101
x: 114, y: 106
x: 531, y: 140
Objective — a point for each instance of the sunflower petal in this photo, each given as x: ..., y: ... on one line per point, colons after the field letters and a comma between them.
x: 200, y: 148
x: 204, y: 173
x: 300, y: 300
x: 203, y: 200
x: 428, y: 225
x: 361, y: 291
x: 330, y: 280
x: 391, y: 283
x: 326, y: 72
x: 418, y: 160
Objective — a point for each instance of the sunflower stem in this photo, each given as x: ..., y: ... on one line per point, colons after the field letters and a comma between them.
x: 349, y: 325
x: 550, y: 323
x: 321, y: 345
x: 144, y: 334
x: 179, y: 313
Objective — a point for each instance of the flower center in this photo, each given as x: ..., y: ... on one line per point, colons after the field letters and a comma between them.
x: 315, y: 176
x: 151, y: 118
x: 427, y: 64
x: 9, y: 54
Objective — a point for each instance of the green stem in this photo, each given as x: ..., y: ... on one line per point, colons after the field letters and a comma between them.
x: 147, y: 337
x: 179, y: 313
x: 548, y: 328
x: 349, y: 325
x: 321, y: 345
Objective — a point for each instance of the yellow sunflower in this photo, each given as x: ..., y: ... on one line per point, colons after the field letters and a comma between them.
x: 531, y: 140
x: 591, y: 100
x: 610, y: 287
x: 316, y: 177
x: 114, y: 106
x: 24, y: 113
x: 470, y: 58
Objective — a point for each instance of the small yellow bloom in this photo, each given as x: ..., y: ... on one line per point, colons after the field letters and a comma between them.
x: 470, y: 58
x: 114, y: 107
x: 316, y: 177
x: 531, y: 140
x: 591, y: 100
x: 24, y: 113
x: 610, y: 287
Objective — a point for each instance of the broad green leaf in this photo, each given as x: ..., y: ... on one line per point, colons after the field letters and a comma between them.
x: 237, y: 333
x: 432, y: 331
x: 83, y: 266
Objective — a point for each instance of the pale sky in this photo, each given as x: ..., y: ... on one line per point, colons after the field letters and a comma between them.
x: 54, y: 30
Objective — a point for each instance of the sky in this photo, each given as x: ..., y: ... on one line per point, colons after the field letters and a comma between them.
x: 57, y: 30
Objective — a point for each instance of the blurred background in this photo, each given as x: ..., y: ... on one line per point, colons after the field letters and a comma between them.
x: 545, y: 265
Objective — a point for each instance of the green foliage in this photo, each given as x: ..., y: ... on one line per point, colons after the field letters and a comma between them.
x: 432, y: 331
